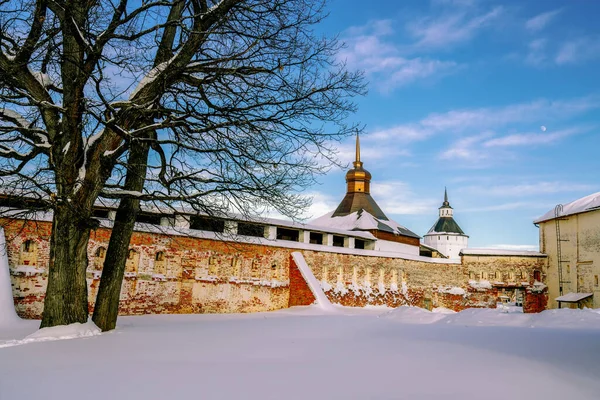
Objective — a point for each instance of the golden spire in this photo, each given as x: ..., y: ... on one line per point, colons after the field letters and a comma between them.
x: 357, y: 147
x: 357, y: 163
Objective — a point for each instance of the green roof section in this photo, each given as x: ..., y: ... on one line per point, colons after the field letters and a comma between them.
x: 446, y: 225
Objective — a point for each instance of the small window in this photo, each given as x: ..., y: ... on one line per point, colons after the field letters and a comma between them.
x: 316, y: 238
x: 100, y: 252
x: 28, y: 246
x: 537, y: 275
x: 160, y: 256
x: 447, y: 237
x: 288, y: 234
x: 439, y: 238
x: 207, y: 224
x: 148, y: 218
x: 100, y: 213
x: 338, y: 241
x: 595, y: 280
x: 254, y: 230
x: 131, y: 254
x: 359, y: 244
x: 471, y: 275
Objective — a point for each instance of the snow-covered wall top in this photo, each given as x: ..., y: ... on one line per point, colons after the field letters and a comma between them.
x: 587, y: 203
x: 500, y: 252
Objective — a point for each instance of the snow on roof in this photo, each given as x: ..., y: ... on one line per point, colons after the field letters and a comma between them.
x: 573, y: 297
x: 500, y: 252
x: 361, y: 221
x: 587, y: 203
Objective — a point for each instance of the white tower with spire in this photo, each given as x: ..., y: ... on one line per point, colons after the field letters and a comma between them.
x: 445, y: 235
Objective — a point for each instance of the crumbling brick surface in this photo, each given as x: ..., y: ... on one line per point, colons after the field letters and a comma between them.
x: 196, y: 275
x: 535, y: 301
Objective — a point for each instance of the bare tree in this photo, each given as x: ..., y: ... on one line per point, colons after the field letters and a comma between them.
x: 214, y: 104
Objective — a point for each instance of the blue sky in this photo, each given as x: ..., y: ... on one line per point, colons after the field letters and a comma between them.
x: 497, y: 101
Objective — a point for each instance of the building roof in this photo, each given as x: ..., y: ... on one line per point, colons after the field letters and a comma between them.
x: 573, y: 297
x: 361, y: 221
x: 357, y: 201
x: 584, y: 204
x: 445, y: 225
x: 500, y: 252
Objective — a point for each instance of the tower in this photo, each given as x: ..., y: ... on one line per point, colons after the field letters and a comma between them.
x: 358, y: 211
x: 445, y: 235
x: 358, y: 191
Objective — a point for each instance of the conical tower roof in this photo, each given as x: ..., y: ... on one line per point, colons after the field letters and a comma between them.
x: 445, y: 223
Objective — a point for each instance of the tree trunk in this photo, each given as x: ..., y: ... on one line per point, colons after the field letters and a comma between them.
x: 66, y: 296
x: 106, y: 309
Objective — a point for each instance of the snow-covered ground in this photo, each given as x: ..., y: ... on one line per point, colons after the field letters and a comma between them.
x: 308, y: 353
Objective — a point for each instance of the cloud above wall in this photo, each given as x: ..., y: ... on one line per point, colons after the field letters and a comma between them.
x: 372, y: 48
x: 489, y: 118
x: 541, y: 21
x: 451, y: 29
x: 398, y: 197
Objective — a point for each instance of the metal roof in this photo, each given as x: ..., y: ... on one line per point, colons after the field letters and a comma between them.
x: 446, y: 225
x: 573, y: 297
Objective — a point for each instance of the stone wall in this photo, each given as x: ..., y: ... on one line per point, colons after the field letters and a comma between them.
x: 174, y: 273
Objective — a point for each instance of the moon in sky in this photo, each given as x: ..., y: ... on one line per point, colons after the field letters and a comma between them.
x: 543, y: 128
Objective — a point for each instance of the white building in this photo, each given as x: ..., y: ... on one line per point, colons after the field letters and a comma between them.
x: 570, y: 235
x: 445, y: 235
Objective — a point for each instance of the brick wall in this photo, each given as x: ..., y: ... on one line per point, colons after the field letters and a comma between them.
x: 535, y: 301
x: 300, y: 293
x: 196, y: 275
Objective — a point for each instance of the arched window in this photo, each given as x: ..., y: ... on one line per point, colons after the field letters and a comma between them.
x: 160, y: 256
x: 471, y: 275
x: 537, y: 275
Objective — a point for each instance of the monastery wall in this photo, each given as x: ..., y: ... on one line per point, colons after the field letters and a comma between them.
x: 171, y: 273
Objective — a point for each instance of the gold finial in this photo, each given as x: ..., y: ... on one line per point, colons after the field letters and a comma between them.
x: 357, y: 148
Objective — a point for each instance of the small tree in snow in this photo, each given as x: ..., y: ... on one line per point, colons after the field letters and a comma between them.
x: 225, y: 104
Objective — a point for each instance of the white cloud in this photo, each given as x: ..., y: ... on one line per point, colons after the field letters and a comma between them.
x: 532, y: 138
x: 370, y: 152
x: 526, y: 189
x: 451, y: 29
x: 518, y: 205
x: 578, y: 50
x: 467, y: 148
x: 321, y: 205
x: 540, y: 21
x: 536, y: 54
x: 369, y: 49
x: 489, y: 119
x: 397, y: 197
